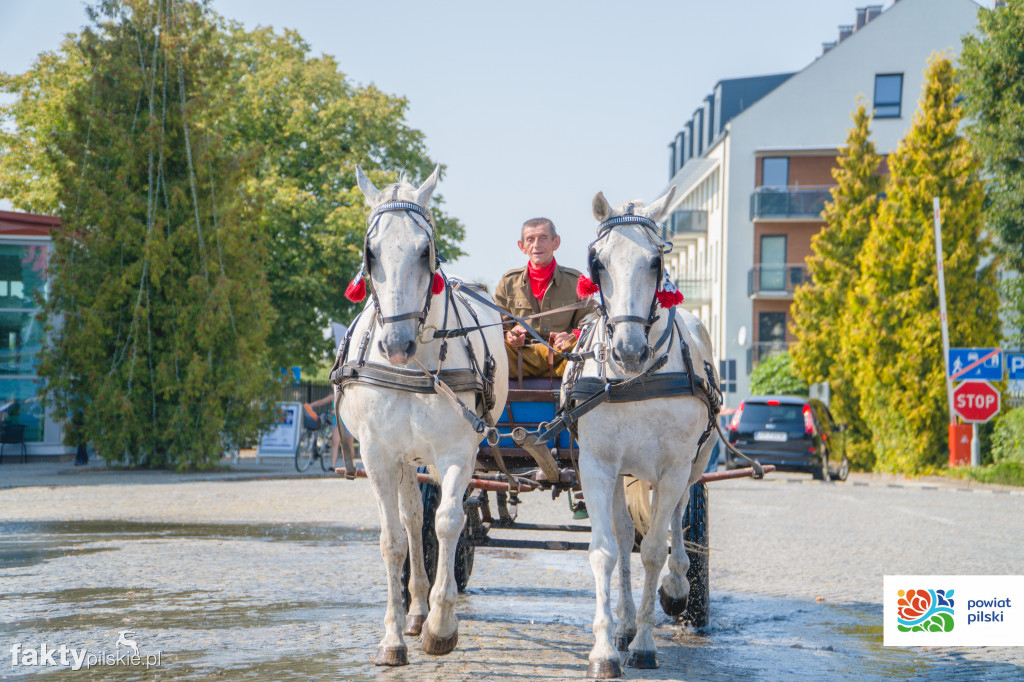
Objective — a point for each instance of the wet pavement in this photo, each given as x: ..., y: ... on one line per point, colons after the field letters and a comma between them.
x: 282, y: 579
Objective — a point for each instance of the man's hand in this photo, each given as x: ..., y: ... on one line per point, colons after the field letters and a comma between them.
x: 562, y: 340
x: 516, y: 336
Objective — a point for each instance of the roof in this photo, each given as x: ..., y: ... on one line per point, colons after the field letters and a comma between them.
x: 18, y: 224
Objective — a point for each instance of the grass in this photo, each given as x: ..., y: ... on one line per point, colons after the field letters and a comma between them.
x: 1005, y: 472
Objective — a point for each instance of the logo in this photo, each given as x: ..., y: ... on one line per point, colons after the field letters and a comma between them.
x: 925, y: 611
x: 78, y: 658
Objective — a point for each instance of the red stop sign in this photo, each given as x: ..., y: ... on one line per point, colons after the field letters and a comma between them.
x: 976, y: 401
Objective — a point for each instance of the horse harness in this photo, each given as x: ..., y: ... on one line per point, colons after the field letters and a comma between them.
x: 478, y: 377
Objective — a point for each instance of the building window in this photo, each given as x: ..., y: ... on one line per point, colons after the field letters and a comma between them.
x: 727, y: 374
x: 772, y: 271
x: 888, y: 95
x: 22, y: 280
x: 775, y: 171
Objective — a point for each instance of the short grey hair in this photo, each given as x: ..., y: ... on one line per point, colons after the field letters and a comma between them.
x: 538, y: 222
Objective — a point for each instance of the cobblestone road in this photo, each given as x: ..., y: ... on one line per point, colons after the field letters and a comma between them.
x: 282, y: 579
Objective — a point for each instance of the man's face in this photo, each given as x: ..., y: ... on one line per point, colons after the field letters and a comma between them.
x: 538, y: 245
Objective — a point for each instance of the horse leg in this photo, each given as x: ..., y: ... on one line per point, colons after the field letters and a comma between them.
x: 391, y: 650
x: 654, y: 549
x: 599, y: 485
x: 675, y: 588
x: 411, y: 511
x: 441, y: 629
x: 625, y: 533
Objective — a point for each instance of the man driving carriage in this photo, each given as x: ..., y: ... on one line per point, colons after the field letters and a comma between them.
x: 540, y: 287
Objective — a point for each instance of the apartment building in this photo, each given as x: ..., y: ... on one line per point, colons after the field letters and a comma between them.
x: 753, y: 167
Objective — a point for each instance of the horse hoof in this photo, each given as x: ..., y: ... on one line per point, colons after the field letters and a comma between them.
x: 604, y: 670
x: 438, y: 646
x: 622, y: 641
x: 414, y: 625
x: 644, y: 660
x: 391, y: 656
x: 671, y: 606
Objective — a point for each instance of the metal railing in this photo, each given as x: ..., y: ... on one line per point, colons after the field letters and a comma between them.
x: 776, y: 280
x: 788, y: 202
x: 685, y: 222
x: 694, y: 290
x: 759, y: 351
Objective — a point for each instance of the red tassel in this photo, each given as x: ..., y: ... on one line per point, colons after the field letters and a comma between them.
x: 576, y: 333
x: 356, y: 290
x: 438, y: 285
x: 585, y: 288
x: 667, y: 299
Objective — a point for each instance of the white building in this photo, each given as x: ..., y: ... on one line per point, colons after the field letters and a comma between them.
x: 753, y: 165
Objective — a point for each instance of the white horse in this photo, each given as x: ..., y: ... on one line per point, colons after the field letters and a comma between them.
x: 662, y: 440
x: 400, y: 430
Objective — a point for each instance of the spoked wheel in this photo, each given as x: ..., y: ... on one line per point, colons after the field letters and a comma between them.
x: 695, y: 539
x: 323, y: 442
x: 464, y: 550
x: 304, y: 454
x: 843, y: 471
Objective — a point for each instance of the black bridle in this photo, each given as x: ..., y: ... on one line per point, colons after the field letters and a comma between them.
x: 594, y: 266
x: 434, y: 259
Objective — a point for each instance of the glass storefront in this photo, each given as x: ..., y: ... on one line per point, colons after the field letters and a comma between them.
x: 22, y: 288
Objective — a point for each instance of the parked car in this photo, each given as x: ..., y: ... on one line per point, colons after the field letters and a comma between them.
x: 792, y: 432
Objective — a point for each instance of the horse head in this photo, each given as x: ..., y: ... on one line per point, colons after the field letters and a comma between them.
x: 400, y: 258
x: 626, y: 262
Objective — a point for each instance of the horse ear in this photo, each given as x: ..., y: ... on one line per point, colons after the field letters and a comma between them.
x: 369, y: 191
x: 601, y: 208
x: 657, y: 207
x: 425, y: 191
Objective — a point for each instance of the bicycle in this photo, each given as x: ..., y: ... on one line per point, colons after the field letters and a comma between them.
x: 315, y: 442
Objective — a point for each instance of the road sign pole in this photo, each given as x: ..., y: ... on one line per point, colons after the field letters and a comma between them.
x: 975, y: 446
x: 942, y: 308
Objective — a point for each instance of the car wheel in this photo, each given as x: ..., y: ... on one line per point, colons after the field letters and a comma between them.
x: 844, y: 469
x: 821, y: 473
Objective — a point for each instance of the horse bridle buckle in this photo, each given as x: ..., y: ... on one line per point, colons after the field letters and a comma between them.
x: 423, y: 330
x: 600, y: 352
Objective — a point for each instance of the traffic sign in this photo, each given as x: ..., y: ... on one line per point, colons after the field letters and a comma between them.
x: 975, y: 363
x: 976, y: 401
x: 1015, y: 365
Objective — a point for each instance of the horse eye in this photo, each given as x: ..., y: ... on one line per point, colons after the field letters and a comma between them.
x: 426, y: 253
x: 655, y: 265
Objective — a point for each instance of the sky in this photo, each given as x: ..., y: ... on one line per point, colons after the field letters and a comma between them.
x: 534, y: 106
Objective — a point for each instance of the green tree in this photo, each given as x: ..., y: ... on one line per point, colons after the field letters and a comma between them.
x: 774, y: 376
x: 992, y: 77
x: 901, y: 374
x: 309, y: 128
x: 301, y: 127
x: 820, y: 313
x: 159, y: 311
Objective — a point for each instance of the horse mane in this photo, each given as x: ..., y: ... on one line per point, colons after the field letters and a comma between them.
x: 406, y: 191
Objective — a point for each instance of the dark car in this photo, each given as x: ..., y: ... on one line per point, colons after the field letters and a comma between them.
x: 793, y: 433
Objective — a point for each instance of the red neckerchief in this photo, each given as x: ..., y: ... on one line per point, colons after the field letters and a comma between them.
x: 540, y: 278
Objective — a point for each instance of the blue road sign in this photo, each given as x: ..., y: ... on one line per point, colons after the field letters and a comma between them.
x: 1015, y: 365
x: 990, y: 366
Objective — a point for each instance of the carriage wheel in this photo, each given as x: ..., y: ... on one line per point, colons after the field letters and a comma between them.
x: 464, y: 550
x: 695, y: 537
x: 304, y: 454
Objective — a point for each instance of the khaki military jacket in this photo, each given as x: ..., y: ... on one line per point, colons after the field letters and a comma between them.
x: 514, y: 295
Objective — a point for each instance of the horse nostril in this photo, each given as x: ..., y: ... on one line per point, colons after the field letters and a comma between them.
x: 410, y: 349
x: 645, y: 353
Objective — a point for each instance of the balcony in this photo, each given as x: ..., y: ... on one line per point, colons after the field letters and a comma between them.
x: 768, y: 203
x: 776, y: 281
x: 759, y: 351
x: 695, y: 291
x: 684, y: 222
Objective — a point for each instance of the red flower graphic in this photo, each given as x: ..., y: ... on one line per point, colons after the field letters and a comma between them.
x: 913, y: 604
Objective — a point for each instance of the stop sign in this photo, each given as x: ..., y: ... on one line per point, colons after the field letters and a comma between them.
x: 976, y: 401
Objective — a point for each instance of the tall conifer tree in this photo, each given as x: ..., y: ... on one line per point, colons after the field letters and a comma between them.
x: 901, y: 374
x: 820, y: 319
x: 159, y: 310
